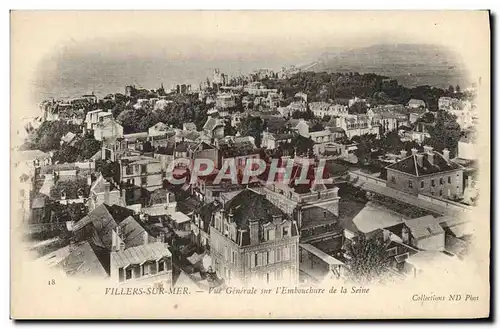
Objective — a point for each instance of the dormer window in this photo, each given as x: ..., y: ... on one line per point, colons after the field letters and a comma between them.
x: 285, y: 231
x: 63, y: 194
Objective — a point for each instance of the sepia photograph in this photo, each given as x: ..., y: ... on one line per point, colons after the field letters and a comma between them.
x: 250, y: 164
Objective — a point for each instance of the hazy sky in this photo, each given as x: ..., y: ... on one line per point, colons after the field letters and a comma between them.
x: 97, y: 49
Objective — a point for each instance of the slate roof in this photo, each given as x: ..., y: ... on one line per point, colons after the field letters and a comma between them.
x: 409, y: 165
x: 249, y: 205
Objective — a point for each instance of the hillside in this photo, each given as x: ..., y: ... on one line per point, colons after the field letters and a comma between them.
x: 410, y: 64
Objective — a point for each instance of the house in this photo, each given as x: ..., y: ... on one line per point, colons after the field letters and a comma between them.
x: 272, y: 141
x: 93, y: 118
x: 357, y: 125
x: 427, y: 172
x: 108, y: 130
x: 104, y: 191
x: 159, y: 129
x: 416, y: 103
x: 141, y: 171
x: 147, y: 263
x: 424, y: 233
x: 300, y: 126
x: 180, y: 221
x: 214, y: 128
x: 251, y: 240
x: 321, y: 140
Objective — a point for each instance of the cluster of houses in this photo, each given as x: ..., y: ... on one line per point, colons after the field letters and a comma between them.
x: 140, y: 229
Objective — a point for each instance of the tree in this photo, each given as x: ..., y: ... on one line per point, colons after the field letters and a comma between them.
x: 66, y: 154
x: 48, y: 136
x: 87, y: 147
x: 391, y: 142
x: 357, y: 108
x: 367, y: 259
x: 445, y: 133
x: 252, y: 126
x: 366, y: 143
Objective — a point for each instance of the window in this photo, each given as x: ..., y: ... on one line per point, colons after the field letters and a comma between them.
x: 256, y: 258
x: 441, y: 181
x: 285, y: 231
x: 128, y: 274
x: 422, y: 184
x: 393, y: 179
x: 161, y: 266
x: 279, y: 275
x: 144, y: 181
x: 440, y: 192
x: 128, y: 170
x: 145, y: 269
x: 144, y: 169
x: 449, y: 179
x: 410, y: 184
x: 433, y: 183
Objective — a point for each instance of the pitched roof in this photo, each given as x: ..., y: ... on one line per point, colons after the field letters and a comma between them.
x: 140, y: 254
x: 410, y: 165
x: 86, y: 260
x: 98, y: 225
x: 373, y: 217
x: 249, y: 205
x: 424, y: 226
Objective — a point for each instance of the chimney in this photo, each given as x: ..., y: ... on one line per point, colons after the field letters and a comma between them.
x: 446, y: 154
x: 420, y: 159
x: 428, y: 149
x: 146, y: 237
x: 403, y: 153
x: 414, y: 151
x: 254, y: 231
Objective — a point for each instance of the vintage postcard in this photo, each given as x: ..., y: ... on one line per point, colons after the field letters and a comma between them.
x: 250, y: 164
